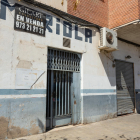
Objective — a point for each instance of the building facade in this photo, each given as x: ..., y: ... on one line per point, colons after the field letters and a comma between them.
x: 52, y: 71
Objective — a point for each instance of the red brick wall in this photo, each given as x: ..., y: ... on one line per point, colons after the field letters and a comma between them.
x: 122, y: 12
x: 107, y: 13
x: 95, y: 11
x: 139, y: 8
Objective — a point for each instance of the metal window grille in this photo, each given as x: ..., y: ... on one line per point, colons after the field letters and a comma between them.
x: 59, y: 84
x: 63, y: 60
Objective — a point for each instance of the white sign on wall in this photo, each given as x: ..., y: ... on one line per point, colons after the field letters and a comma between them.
x: 26, y: 78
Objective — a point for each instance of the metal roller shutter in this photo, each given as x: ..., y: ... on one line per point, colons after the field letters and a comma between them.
x: 125, y: 87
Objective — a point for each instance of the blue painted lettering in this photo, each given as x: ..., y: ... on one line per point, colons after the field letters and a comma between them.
x: 4, y: 4
x: 49, y: 22
x: 76, y: 33
x: 67, y: 29
x: 88, y: 35
x: 57, y: 26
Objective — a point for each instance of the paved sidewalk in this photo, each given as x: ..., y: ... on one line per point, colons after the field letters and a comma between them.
x: 120, y: 128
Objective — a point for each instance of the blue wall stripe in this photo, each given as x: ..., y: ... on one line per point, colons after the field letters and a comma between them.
x: 98, y: 90
x: 21, y: 92
x: 101, y: 90
x: 43, y: 91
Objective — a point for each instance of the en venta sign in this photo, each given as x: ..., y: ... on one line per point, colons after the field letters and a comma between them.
x: 29, y: 20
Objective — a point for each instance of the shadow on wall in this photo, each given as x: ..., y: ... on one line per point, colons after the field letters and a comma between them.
x: 41, y: 125
x: 107, y: 62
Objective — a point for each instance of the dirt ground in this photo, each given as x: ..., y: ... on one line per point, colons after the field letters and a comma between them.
x: 120, y: 128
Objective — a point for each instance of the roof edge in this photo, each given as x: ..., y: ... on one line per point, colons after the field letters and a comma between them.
x: 64, y: 15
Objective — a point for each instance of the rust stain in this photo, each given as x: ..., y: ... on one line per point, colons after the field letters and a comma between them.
x: 32, y: 43
x: 40, y: 46
x: 35, y: 74
x: 75, y: 102
x: 18, y: 58
x: 0, y: 105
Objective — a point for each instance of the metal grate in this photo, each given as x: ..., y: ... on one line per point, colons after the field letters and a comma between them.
x: 63, y: 60
x: 125, y: 87
x: 66, y: 42
x: 59, y: 84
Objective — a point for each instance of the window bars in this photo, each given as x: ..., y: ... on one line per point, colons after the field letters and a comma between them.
x: 63, y: 60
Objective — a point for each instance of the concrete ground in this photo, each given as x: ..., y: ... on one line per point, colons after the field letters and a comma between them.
x: 120, y: 128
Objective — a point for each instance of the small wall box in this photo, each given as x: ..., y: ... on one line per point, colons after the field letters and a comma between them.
x: 108, y: 40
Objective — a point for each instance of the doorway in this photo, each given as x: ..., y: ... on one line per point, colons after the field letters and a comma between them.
x: 125, y: 87
x: 63, y: 88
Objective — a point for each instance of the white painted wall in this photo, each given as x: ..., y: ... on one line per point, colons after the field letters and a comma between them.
x: 24, y: 50
x: 19, y: 46
x: 53, y: 3
x: 128, y: 49
x: 97, y: 70
x: 56, y: 4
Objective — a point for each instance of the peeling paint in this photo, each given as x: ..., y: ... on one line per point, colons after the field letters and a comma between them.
x: 99, y: 118
x: 24, y: 64
x: 3, y: 127
x: 18, y: 58
x: 21, y: 105
x: 107, y: 116
x: 15, y: 132
x: 8, y: 130
x: 34, y: 129
x: 40, y: 85
x: 40, y: 46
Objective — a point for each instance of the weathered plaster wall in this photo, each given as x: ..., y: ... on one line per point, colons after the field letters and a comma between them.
x: 23, y: 112
x: 99, y: 80
x: 98, y: 84
x: 128, y: 49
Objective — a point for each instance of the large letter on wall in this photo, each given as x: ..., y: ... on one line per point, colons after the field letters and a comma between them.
x: 76, y: 33
x: 67, y: 29
x: 88, y: 35
x: 58, y: 26
x: 3, y: 5
x: 49, y: 21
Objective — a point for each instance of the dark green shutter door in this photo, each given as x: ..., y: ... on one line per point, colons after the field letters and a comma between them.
x: 125, y: 87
